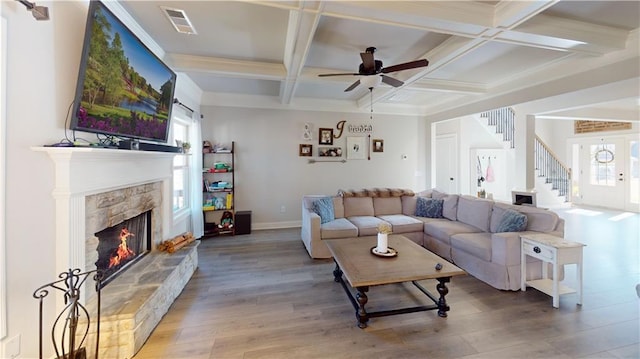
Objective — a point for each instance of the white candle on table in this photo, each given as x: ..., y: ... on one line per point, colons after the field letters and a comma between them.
x: 382, y: 243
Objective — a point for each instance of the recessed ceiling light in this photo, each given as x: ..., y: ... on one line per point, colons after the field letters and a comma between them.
x: 179, y: 20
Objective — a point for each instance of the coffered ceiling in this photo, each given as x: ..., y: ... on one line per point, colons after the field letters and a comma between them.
x: 272, y: 51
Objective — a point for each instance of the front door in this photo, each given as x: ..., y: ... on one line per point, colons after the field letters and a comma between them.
x: 603, y: 173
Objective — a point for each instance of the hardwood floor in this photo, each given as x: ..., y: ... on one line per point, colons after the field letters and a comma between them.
x: 261, y: 296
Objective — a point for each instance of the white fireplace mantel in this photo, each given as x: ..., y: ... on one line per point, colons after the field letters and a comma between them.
x: 83, y: 171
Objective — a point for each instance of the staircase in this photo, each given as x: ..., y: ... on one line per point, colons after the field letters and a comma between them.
x: 555, y: 176
x: 554, y: 172
x: 504, y: 121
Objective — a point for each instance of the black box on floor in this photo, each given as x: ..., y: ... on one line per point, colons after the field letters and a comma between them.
x: 242, y: 222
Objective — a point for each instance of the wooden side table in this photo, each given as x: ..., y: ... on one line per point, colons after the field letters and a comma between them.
x: 556, y: 251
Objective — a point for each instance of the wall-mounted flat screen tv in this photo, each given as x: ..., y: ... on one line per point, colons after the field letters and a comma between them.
x: 123, y: 88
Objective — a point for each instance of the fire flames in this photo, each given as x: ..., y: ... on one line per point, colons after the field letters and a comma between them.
x: 123, y: 252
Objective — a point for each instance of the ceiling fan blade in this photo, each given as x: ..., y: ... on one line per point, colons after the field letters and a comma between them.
x: 406, y: 66
x: 368, y: 62
x: 340, y: 74
x: 391, y: 81
x: 353, y: 85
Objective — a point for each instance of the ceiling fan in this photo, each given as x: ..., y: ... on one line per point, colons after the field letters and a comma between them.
x: 371, y: 66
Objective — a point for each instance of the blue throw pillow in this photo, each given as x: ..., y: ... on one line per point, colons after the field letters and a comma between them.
x: 429, y: 207
x: 324, y: 208
x: 512, y: 221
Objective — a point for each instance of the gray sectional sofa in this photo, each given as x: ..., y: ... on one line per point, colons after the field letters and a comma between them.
x: 467, y: 234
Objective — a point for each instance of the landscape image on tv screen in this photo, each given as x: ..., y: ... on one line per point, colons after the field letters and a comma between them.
x: 123, y: 88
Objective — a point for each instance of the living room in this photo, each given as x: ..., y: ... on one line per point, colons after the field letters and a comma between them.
x: 42, y: 60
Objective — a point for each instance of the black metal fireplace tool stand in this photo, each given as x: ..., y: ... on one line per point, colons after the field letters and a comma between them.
x: 71, y: 327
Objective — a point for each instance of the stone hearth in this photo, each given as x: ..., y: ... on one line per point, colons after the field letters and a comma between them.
x: 95, y: 188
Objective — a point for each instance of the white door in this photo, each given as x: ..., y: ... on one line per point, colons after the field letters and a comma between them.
x: 447, y: 163
x: 603, y: 173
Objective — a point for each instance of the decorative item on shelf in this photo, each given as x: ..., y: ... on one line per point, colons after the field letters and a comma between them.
x: 482, y: 193
x: 207, y: 147
x: 306, y: 150
x: 186, y: 147
x: 219, y: 203
x: 219, y: 148
x: 226, y: 222
x: 221, y: 167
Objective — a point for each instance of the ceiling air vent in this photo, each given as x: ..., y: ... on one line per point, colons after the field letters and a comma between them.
x: 179, y: 20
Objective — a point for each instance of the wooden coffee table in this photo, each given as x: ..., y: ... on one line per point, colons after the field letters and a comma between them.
x: 363, y: 269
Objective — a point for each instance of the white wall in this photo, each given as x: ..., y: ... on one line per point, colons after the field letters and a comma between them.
x: 42, y: 66
x: 270, y: 174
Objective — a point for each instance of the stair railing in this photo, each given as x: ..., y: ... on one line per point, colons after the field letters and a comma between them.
x: 552, y: 169
x: 504, y: 121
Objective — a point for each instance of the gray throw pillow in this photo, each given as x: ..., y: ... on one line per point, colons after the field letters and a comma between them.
x: 428, y: 207
x: 512, y: 221
x: 324, y: 208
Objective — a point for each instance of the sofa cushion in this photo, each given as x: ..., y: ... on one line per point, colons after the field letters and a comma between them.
x: 338, y: 207
x: 403, y: 224
x: 429, y: 207
x: 438, y: 194
x: 539, y: 219
x: 358, y: 206
x: 367, y: 225
x: 324, y: 208
x: 512, y: 221
x: 443, y: 229
x: 338, y: 228
x: 476, y: 244
x: 450, y: 207
x: 387, y: 205
x: 475, y: 211
x: 409, y: 205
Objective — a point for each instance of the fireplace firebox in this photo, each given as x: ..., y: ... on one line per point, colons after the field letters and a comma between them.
x: 123, y: 244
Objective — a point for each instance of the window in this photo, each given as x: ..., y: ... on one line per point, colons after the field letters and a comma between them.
x: 180, y: 168
x: 603, y: 164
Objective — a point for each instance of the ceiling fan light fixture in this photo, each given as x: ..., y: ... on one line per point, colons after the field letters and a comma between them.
x: 370, y: 81
x: 179, y: 19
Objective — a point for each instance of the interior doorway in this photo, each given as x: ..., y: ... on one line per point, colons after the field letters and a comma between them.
x: 606, y: 172
x: 446, y: 154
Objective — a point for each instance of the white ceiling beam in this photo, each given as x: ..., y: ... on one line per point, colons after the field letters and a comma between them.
x: 448, y: 86
x: 300, y: 31
x: 226, y: 67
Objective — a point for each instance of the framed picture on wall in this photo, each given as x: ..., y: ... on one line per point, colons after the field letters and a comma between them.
x: 378, y: 145
x: 329, y: 152
x: 325, y: 136
x: 356, y: 148
x: 306, y: 150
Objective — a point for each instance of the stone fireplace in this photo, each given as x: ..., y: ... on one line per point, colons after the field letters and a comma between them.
x: 119, y: 227
x: 88, y: 207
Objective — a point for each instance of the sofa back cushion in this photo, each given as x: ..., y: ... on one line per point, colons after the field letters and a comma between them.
x: 338, y: 207
x: 438, y: 194
x: 358, y: 206
x: 387, y: 205
x: 475, y: 212
x: 409, y: 205
x: 450, y: 207
x: 538, y: 219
